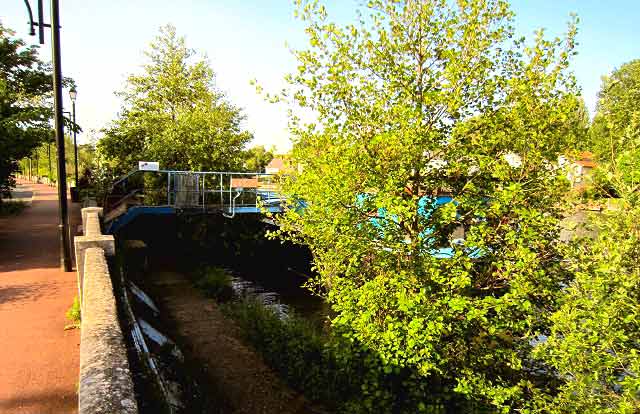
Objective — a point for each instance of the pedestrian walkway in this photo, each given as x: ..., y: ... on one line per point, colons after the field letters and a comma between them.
x: 39, y: 360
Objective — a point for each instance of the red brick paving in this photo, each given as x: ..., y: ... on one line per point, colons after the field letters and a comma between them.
x: 39, y: 360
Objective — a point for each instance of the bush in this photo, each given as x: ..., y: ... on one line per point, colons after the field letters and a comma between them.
x: 593, y: 343
x: 215, y: 282
x: 331, y: 369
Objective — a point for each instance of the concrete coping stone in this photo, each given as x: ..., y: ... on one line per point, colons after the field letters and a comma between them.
x: 90, y: 210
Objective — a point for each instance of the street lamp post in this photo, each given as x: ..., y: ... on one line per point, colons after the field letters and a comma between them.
x: 63, y: 226
x: 73, y: 93
x: 49, y: 157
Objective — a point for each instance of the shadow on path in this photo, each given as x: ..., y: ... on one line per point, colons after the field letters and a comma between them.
x: 30, y: 239
x: 40, y: 402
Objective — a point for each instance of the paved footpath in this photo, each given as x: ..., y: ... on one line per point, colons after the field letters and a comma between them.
x: 39, y: 360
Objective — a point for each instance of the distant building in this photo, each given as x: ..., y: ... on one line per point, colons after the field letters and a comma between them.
x: 581, y: 170
x: 275, y: 166
x: 240, y: 182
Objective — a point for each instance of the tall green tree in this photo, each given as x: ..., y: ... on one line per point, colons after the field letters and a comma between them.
x: 25, y: 104
x: 615, y: 131
x: 420, y: 99
x: 172, y: 113
x: 616, y: 126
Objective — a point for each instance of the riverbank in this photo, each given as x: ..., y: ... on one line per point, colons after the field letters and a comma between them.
x: 236, y: 377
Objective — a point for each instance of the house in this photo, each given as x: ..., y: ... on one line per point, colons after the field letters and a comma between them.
x: 581, y: 170
x: 275, y: 165
x: 241, y: 182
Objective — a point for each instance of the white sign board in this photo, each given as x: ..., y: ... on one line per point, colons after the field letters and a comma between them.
x: 148, y: 166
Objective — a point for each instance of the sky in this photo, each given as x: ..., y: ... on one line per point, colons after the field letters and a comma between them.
x: 103, y: 42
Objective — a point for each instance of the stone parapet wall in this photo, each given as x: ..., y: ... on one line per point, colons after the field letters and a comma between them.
x: 105, y: 384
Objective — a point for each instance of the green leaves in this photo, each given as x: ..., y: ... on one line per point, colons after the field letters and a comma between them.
x: 257, y: 158
x: 616, y: 126
x: 615, y: 132
x: 594, y: 340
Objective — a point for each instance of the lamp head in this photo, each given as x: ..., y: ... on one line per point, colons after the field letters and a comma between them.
x: 73, y: 93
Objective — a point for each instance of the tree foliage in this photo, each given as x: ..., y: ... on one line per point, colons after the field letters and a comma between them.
x: 594, y: 344
x: 172, y: 113
x: 257, y: 158
x: 42, y: 161
x: 615, y: 132
x: 25, y: 104
x: 616, y: 126
x: 416, y: 100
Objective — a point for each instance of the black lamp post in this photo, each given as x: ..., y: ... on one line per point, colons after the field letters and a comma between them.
x: 73, y: 93
x: 63, y: 226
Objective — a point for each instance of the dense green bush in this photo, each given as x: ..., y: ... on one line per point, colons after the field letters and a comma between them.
x: 594, y: 342
x: 215, y: 282
x: 333, y: 370
x: 416, y: 101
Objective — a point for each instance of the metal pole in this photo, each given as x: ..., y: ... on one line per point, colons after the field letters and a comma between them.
x: 38, y: 164
x: 75, y: 145
x: 169, y: 189
x: 49, y: 157
x: 63, y: 226
x: 41, y: 21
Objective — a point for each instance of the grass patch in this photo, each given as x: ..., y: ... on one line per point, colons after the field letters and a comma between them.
x: 73, y: 315
x: 11, y: 208
x: 214, y: 282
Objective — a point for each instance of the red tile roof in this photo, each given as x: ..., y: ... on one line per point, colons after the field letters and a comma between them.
x: 244, y: 182
x: 276, y: 163
x: 586, y: 159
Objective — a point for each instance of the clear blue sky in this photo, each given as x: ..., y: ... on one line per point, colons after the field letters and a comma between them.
x: 103, y: 42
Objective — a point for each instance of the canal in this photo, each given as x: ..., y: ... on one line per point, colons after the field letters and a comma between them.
x: 215, y: 371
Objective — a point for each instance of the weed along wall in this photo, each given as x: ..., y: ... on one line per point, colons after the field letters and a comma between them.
x: 105, y: 384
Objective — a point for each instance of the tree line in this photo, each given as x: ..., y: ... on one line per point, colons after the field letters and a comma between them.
x: 172, y: 113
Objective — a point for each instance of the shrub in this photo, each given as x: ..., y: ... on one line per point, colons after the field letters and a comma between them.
x: 215, y: 282
x: 593, y: 343
x: 332, y: 369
